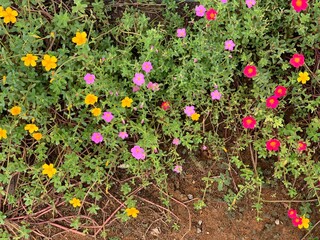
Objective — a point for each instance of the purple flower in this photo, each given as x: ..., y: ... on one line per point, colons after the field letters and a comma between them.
x: 224, y: 1
x: 89, y: 78
x: 250, y: 3
x: 123, y: 135
x: 176, y: 141
x: 200, y: 10
x: 147, y: 67
x: 107, y: 116
x: 153, y: 86
x: 189, y: 110
x: 229, y: 45
x: 97, y: 137
x: 181, y: 32
x: 138, y: 79
x: 177, y: 169
x: 138, y: 152
x: 215, y: 95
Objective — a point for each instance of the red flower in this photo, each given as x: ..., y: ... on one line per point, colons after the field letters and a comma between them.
x: 297, y: 60
x: 250, y: 71
x: 280, y: 91
x: 273, y: 144
x: 299, y: 5
x: 249, y: 122
x: 272, y: 102
x: 211, y: 14
x: 165, y: 106
x: 297, y: 221
x: 292, y: 213
x: 302, y: 146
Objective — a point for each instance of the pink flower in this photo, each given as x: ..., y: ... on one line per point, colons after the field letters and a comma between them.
x: 292, y: 213
x: 177, y: 169
x: 250, y: 3
x: 250, y: 71
x: 181, y: 32
x: 302, y: 146
x: 138, y: 152
x: 224, y: 1
x: 272, y: 102
x: 273, y: 144
x: 211, y: 14
x: 189, y: 110
x: 299, y: 5
x: 216, y: 95
x: 280, y: 91
x: 297, y: 60
x: 153, y: 86
x: 176, y: 141
x: 135, y: 88
x: 107, y: 116
x: 89, y: 78
x: 200, y: 10
x: 229, y: 45
x: 147, y: 67
x: 138, y: 79
x: 296, y: 221
x: 123, y: 135
x: 249, y: 122
x: 97, y: 137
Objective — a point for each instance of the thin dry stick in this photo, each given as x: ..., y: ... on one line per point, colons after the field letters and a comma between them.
x: 310, y: 230
x: 253, y: 160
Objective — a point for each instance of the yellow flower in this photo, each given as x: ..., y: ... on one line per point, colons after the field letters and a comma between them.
x: 49, y: 62
x: 48, y: 170
x: 15, y: 110
x: 37, y: 136
x: 1, y: 11
x: 3, y: 133
x: 303, y: 77
x: 305, y: 223
x: 75, y: 202
x: 80, y: 38
x: 31, y: 128
x: 126, y: 102
x: 195, y: 116
x: 132, y: 212
x: 4, y: 79
x: 9, y: 15
x: 96, y: 112
x: 30, y: 60
x: 90, y: 99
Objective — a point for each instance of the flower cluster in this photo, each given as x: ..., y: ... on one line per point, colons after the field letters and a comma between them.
x: 32, y: 129
x: 48, y: 62
x: 279, y: 92
x: 8, y: 15
x: 211, y: 14
x: 190, y: 112
x: 300, y: 222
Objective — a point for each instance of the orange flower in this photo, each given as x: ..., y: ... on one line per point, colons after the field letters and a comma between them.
x: 9, y: 15
x: 80, y: 38
x: 15, y: 110
x: 37, y: 136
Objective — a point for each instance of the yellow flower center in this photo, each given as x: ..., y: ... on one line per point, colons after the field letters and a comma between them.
x: 296, y: 59
x: 299, y: 3
x: 250, y: 70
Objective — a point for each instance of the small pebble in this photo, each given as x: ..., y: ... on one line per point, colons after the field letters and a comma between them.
x: 190, y: 196
x: 277, y: 221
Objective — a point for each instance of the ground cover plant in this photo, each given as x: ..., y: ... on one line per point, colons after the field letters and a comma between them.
x: 95, y: 104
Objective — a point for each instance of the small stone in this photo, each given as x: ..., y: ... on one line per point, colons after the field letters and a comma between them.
x: 277, y: 221
x: 190, y: 196
x: 199, y: 230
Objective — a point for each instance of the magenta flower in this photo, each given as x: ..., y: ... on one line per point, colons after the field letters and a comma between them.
x: 229, y: 45
x: 189, y: 110
x: 123, y: 135
x: 250, y: 3
x: 147, y: 67
x: 97, y: 137
x: 138, y: 152
x: 89, y: 78
x: 200, y: 10
x: 153, y: 86
x: 177, y: 169
x: 224, y: 1
x: 138, y: 79
x: 215, y: 95
x: 107, y: 116
x: 181, y: 32
x: 176, y: 141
